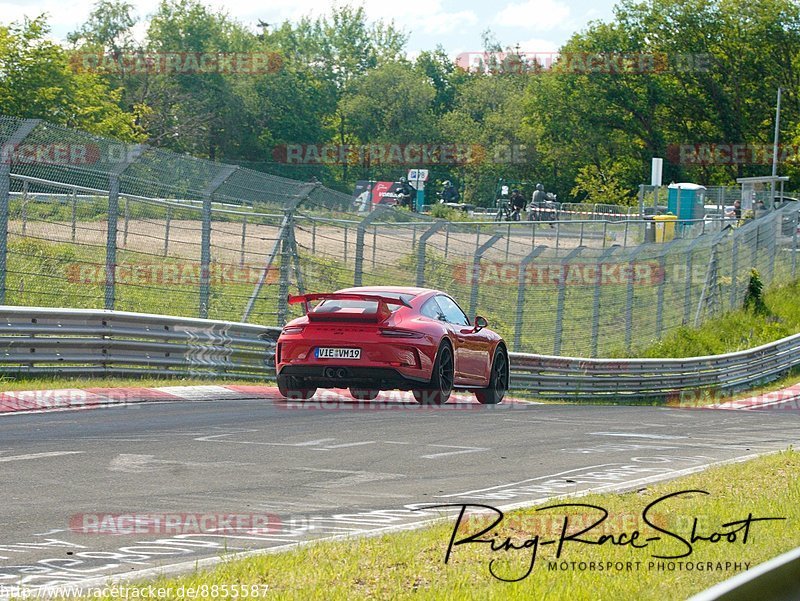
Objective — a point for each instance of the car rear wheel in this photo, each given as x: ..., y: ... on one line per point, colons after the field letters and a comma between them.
x: 498, y: 380
x: 292, y: 388
x: 362, y: 394
x: 441, y: 384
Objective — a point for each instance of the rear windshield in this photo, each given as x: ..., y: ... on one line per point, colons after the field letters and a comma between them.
x: 365, y: 306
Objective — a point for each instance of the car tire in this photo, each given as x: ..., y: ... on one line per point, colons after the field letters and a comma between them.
x: 363, y: 394
x: 498, y: 380
x: 442, y: 378
x: 292, y: 389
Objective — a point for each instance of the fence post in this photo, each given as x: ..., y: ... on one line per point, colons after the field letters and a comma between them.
x: 74, y: 212
x: 113, y: 218
x: 283, y: 284
x: 25, y: 128
x: 596, y: 301
x: 225, y: 171
x: 421, y: 245
x: 111, y: 242
x: 244, y: 242
x: 476, y: 272
x: 773, y: 245
x: 662, y: 272
x: 5, y: 190
x: 127, y: 219
x: 734, y: 270
x: 345, y: 243
x: 794, y: 243
x: 358, y: 274
x: 24, y: 207
x: 446, y: 239
x: 687, y: 295
x: 562, y: 297
x: 262, y: 278
x: 521, y: 276
x: 205, y: 258
x: 629, y: 298
x: 166, y: 230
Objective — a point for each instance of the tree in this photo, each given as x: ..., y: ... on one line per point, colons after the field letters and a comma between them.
x: 38, y: 80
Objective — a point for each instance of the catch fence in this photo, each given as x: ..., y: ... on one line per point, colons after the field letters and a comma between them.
x: 86, y: 222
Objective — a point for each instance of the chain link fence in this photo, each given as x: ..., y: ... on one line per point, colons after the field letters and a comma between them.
x: 86, y: 222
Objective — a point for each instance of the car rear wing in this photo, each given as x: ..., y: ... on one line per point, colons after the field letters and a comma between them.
x: 382, y: 313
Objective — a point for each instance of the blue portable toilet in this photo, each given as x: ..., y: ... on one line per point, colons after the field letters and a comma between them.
x: 686, y: 201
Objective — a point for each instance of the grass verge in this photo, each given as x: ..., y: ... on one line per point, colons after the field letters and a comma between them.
x: 42, y: 383
x: 736, y: 330
x: 411, y: 564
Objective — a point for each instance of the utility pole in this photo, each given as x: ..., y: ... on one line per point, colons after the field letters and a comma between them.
x: 775, y: 144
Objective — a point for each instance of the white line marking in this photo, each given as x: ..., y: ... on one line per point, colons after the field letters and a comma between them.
x: 632, y: 435
x: 211, y: 562
x: 447, y: 446
x: 38, y: 456
x: 349, y: 444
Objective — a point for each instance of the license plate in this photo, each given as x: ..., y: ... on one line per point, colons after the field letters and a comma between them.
x: 337, y: 353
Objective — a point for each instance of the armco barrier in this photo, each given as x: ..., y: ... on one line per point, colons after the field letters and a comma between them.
x: 775, y: 580
x: 42, y: 341
x: 572, y: 377
x: 90, y: 342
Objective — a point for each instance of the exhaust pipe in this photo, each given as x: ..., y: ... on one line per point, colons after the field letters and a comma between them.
x: 329, y: 372
x: 341, y: 373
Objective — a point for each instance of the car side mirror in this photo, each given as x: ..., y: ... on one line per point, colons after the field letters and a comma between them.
x: 480, y: 323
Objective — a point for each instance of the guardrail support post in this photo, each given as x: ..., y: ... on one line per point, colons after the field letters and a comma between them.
x: 358, y: 274
x: 476, y: 272
x: 562, y: 297
x: 18, y: 136
x: 629, y: 298
x: 521, y: 281
x: 422, y: 244
x: 596, y: 301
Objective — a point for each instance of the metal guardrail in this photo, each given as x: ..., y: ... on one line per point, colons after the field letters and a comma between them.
x: 774, y: 580
x: 572, y: 377
x: 90, y: 342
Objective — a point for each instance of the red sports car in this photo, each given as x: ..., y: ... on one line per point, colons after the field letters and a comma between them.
x: 383, y: 338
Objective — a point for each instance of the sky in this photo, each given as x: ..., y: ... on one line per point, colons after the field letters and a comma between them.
x: 538, y: 26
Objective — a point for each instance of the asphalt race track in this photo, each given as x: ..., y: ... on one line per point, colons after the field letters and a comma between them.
x: 73, y: 479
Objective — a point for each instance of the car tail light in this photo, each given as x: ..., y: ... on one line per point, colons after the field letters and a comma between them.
x: 292, y: 330
x: 398, y: 333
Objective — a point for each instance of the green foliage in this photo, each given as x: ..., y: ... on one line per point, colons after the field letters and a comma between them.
x: 37, y: 80
x: 736, y: 330
x: 441, y: 211
x: 754, y: 296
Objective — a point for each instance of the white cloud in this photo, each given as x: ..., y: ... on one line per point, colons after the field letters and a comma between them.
x: 428, y: 17
x: 536, y: 45
x: 537, y: 15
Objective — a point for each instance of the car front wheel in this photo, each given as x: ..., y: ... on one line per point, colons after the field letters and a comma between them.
x: 498, y: 380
